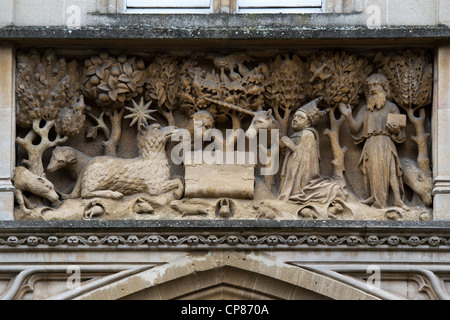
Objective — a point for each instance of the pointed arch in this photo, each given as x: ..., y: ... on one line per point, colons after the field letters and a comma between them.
x: 224, y: 275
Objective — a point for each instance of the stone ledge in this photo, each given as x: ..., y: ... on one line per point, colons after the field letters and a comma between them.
x: 108, y: 226
x: 227, y: 31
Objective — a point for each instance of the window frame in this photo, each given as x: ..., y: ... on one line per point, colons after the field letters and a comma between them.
x: 303, y: 8
x: 171, y: 8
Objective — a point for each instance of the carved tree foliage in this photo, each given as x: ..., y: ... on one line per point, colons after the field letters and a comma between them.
x: 410, y: 75
x: 48, y: 96
x: 162, y: 85
x: 410, y: 78
x: 190, y: 96
x: 285, y: 83
x: 111, y: 82
x: 337, y: 78
x: 229, y: 90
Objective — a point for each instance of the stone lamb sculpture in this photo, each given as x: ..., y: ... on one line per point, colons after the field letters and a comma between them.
x: 26, y: 180
x: 149, y: 172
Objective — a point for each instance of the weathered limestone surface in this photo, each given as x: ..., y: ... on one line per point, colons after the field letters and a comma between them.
x: 222, y: 259
x: 441, y: 154
x: 127, y: 124
x: 206, y: 250
x: 7, y: 117
x: 251, y: 263
x: 220, y: 180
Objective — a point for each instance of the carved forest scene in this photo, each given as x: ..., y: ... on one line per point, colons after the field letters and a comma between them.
x: 320, y: 135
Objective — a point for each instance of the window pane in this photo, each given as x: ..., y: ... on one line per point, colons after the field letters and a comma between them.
x: 279, y: 3
x: 168, y: 3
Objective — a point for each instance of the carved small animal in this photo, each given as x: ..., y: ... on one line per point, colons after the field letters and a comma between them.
x: 308, y: 213
x: 26, y: 180
x: 335, y: 210
x: 93, y: 209
x: 265, y: 211
x: 230, y: 63
x: 393, y: 214
x: 225, y: 208
x: 141, y: 206
x: 417, y: 180
x: 111, y: 177
x: 188, y: 209
x: 70, y: 158
x: 338, y: 210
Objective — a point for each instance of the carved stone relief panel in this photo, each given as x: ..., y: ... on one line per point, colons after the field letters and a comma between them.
x: 317, y: 135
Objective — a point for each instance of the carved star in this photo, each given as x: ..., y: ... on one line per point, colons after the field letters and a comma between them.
x: 140, y: 113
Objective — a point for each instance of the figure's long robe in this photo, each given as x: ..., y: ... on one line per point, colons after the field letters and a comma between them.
x: 301, y: 181
x: 379, y: 152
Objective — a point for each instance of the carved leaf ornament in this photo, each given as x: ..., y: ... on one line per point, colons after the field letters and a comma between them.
x: 229, y: 83
x: 410, y: 76
x: 45, y: 85
x: 162, y: 85
x: 337, y: 77
x: 111, y: 81
x: 284, y: 87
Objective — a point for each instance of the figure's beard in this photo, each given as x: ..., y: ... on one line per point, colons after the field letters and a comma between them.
x: 377, y: 100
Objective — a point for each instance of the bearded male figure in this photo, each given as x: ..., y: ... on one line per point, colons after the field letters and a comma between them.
x: 379, y: 160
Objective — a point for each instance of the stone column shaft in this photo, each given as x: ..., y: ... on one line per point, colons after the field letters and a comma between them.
x: 441, y: 134
x: 7, y: 138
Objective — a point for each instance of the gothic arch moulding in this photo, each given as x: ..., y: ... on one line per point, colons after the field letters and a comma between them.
x: 227, y: 275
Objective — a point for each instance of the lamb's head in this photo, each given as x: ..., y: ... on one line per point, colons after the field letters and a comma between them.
x: 155, y: 131
x: 61, y: 157
x: 167, y: 132
x: 154, y: 137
